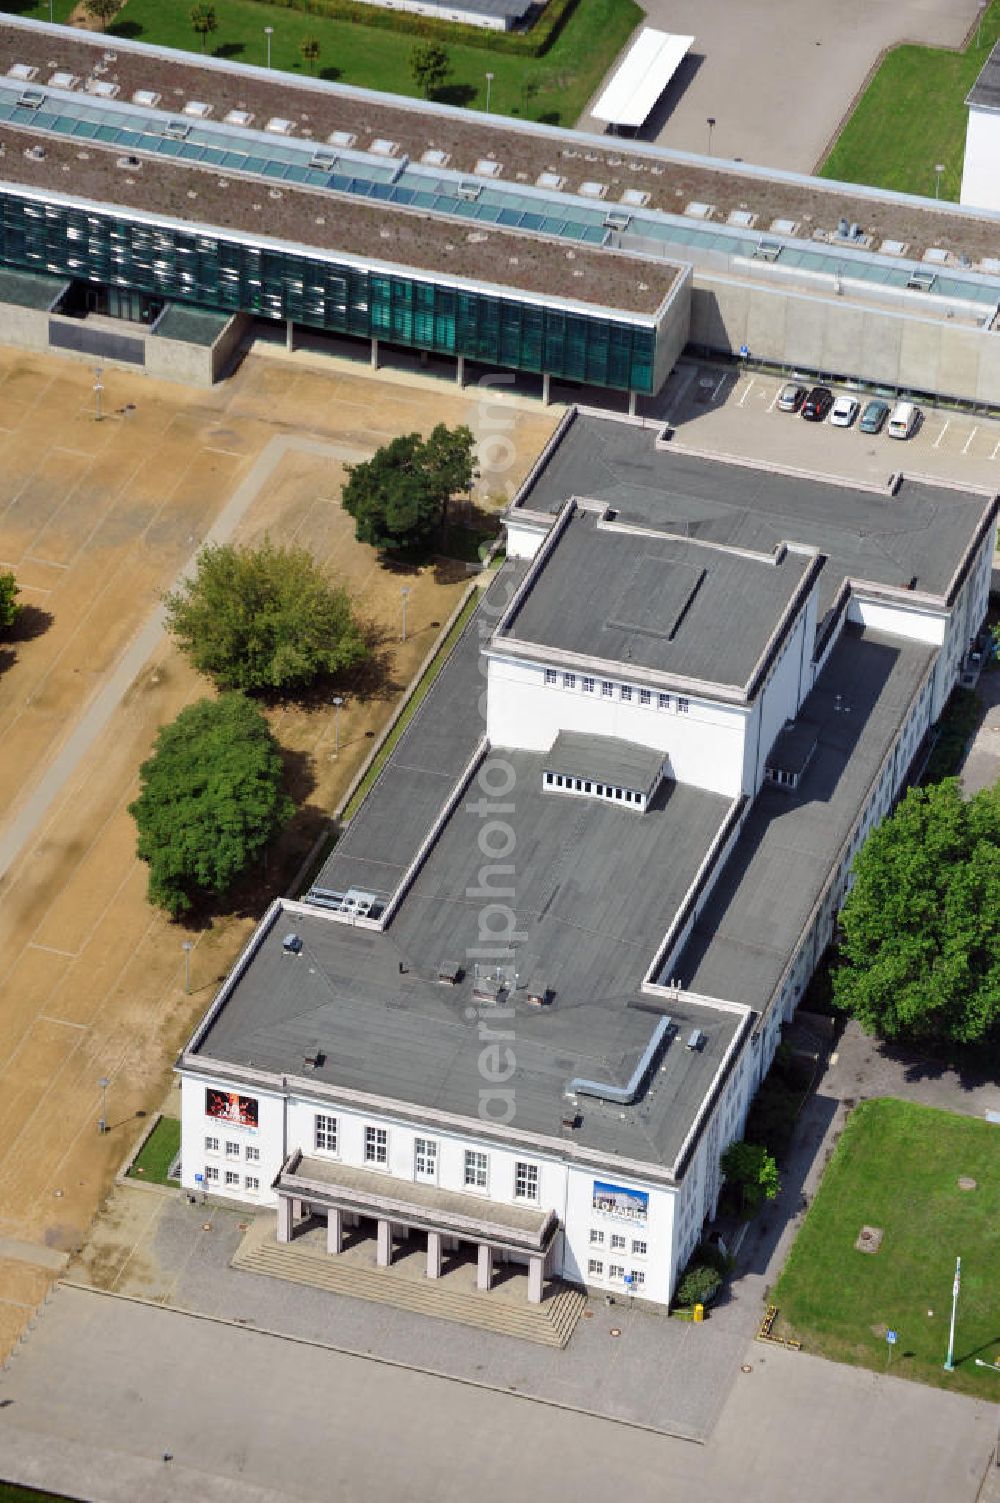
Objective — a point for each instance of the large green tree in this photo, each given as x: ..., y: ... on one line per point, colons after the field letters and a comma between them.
x: 754, y: 1170
x: 204, y: 21
x: 104, y: 10
x: 8, y: 603
x: 399, y: 498
x: 211, y: 797
x: 429, y: 67
x: 920, y: 954
x: 263, y: 619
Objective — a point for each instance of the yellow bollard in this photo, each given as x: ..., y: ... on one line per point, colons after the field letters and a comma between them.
x: 699, y: 1312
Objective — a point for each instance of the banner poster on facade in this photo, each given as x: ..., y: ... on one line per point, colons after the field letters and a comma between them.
x: 231, y: 1108
x: 613, y: 1200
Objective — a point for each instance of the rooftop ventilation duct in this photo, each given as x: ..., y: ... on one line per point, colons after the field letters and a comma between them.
x: 626, y: 1094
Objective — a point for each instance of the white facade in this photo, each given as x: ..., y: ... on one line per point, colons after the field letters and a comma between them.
x: 981, y: 172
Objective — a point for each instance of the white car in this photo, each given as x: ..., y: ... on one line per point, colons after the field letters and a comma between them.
x: 903, y: 420
x: 843, y: 412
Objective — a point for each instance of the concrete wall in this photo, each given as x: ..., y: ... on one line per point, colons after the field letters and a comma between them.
x: 981, y: 172
x: 673, y: 327
x: 820, y: 332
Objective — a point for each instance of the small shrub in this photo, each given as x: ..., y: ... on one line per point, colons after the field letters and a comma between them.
x: 698, y: 1285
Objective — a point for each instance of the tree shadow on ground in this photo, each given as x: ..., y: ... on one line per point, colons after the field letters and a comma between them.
x: 458, y: 94
x: 127, y: 30
x: 330, y: 74
x: 229, y: 50
x: 30, y: 622
x: 975, y: 1064
x: 8, y: 657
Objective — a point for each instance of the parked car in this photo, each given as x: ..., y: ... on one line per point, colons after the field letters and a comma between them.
x: 791, y: 397
x: 873, y: 416
x: 817, y: 404
x: 843, y: 413
x: 903, y: 419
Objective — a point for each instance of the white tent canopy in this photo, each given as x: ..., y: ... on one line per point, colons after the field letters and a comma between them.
x: 646, y: 69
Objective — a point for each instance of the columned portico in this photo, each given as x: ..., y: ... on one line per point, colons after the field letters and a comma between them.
x: 484, y: 1270
x: 434, y: 1240
x: 384, y: 1254
x: 334, y: 1229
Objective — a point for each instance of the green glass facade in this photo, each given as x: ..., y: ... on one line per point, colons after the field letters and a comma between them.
x: 212, y: 271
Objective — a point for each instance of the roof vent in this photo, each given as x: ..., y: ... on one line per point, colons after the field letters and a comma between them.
x: 537, y: 991
x: 591, y: 189
x: 843, y: 228
x: 635, y: 198
x: 696, y: 210
x: 291, y: 944
x: 767, y: 250
x: 323, y: 161
x: 314, y: 1061
x: 132, y: 163
x: 35, y: 153
x: 893, y: 248
x: 102, y: 88
x: 279, y: 126
x: 469, y: 191
x: 23, y: 72
x: 31, y: 99
x: 198, y: 109
x: 177, y: 130
x: 449, y: 973
x: 242, y: 118
x: 488, y: 989
x: 64, y: 81
x: 696, y: 1040
x: 342, y: 138
x: 487, y: 167
x: 615, y: 219
x: 742, y: 219
x: 550, y: 180
x: 383, y: 147
x: 784, y: 226
x: 147, y: 98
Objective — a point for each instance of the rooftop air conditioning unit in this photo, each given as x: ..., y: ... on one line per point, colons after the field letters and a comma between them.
x: 291, y: 944
x: 696, y: 1039
x: 469, y: 191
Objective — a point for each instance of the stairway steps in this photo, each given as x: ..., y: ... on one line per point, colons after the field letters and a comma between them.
x: 549, y: 1324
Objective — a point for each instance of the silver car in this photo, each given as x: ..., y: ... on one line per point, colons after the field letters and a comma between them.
x: 791, y: 397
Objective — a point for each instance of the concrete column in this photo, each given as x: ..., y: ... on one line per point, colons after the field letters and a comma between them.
x: 460, y: 371
x: 374, y: 354
x: 433, y: 1255
x: 334, y: 1229
x: 484, y: 1273
x: 546, y: 384
x: 298, y: 1210
x: 536, y: 1277
x: 633, y: 403
x: 284, y: 1219
x: 289, y: 334
x: 383, y: 1256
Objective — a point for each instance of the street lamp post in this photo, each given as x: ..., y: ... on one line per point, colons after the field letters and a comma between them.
x: 98, y: 388
x: 187, y: 947
x: 983, y: 6
x: 102, y: 1121
x: 938, y: 169
x: 949, y: 1366
x: 404, y: 596
x: 337, y: 702
x: 269, y: 33
x: 489, y: 87
x: 711, y: 127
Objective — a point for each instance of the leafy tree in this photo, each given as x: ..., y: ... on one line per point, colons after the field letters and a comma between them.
x: 697, y: 1285
x: 920, y: 956
x: 263, y: 618
x: 429, y: 67
x: 204, y: 21
x: 210, y: 799
x: 309, y: 48
x: 104, y: 10
x: 399, y: 497
x: 754, y: 1170
x: 8, y: 605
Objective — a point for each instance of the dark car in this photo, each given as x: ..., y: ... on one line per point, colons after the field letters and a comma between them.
x: 817, y: 404
x: 873, y: 416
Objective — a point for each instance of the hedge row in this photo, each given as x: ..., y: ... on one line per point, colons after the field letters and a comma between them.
x: 532, y: 43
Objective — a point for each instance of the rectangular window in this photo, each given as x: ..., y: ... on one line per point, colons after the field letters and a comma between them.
x: 425, y: 1159
x: 475, y: 1169
x: 232, y: 1149
x: 569, y: 680
x: 663, y: 700
x: 211, y: 1145
x: 625, y: 692
x: 596, y: 1237
x: 589, y: 685
x: 551, y: 676
x: 525, y: 1181
x: 376, y: 1145
x: 211, y: 1172
x: 607, y: 688
x: 683, y: 705
x: 645, y: 696
x: 325, y: 1138
x: 617, y: 1242
x: 253, y: 1155
x: 616, y: 1271
x: 251, y: 1182
x: 232, y: 1178
x: 638, y: 1278
x: 595, y: 1267
x: 639, y: 1249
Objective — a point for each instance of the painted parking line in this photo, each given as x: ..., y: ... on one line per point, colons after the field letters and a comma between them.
x: 746, y: 393
x: 996, y: 450
x: 718, y: 387
x: 944, y: 430
x: 771, y: 404
x: 968, y: 441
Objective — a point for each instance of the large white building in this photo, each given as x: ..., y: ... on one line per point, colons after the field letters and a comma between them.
x: 981, y: 169
x: 527, y: 1001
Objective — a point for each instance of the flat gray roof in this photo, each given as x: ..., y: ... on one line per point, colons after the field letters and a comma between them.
x: 786, y: 850
x: 985, y: 92
x: 604, y: 759
x: 30, y: 289
x: 921, y: 533
x: 655, y: 601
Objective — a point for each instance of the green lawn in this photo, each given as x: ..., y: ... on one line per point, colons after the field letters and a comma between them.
x: 158, y: 1153
x: 11, y: 1493
x: 897, y: 1167
x: 913, y: 116
x: 563, y: 80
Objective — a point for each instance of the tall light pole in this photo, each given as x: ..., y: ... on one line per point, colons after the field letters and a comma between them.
x: 938, y: 169
x: 102, y: 1121
x: 983, y: 6
x: 949, y: 1366
x: 98, y: 388
x: 711, y: 127
x: 187, y: 947
x: 269, y: 33
x: 489, y: 87
x: 404, y: 595
x: 337, y: 702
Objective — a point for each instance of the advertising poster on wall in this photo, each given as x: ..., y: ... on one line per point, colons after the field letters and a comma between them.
x: 614, y: 1200
x: 231, y: 1108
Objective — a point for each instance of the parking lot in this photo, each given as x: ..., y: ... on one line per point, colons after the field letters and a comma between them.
x: 728, y: 412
